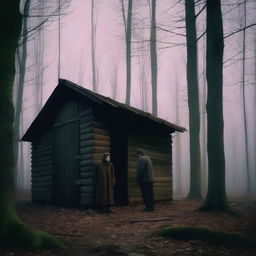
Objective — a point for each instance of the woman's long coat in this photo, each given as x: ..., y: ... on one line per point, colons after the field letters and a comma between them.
x: 105, y: 181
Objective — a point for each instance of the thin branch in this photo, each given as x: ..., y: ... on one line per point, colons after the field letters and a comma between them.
x: 201, y: 36
x: 239, y: 30
x: 124, y: 17
x: 198, y: 1
x: 34, y: 28
x: 232, y: 58
x: 172, y: 46
x: 169, y: 31
x: 42, y: 16
x: 200, y: 11
x: 64, y: 234
x: 171, y: 7
x: 149, y: 220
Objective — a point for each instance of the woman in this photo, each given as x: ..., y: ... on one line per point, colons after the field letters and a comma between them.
x: 105, y: 181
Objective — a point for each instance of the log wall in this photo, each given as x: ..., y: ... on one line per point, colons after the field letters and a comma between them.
x: 94, y: 142
x: 159, y: 150
x: 86, y: 181
x: 42, y: 168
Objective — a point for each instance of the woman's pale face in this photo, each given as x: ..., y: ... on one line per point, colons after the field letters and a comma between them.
x: 107, y: 158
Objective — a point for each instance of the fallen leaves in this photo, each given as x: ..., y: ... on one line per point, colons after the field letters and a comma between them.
x: 129, y: 229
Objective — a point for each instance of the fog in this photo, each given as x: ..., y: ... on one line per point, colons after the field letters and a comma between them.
x: 50, y: 58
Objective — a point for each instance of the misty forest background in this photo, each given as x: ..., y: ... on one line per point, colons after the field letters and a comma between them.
x: 136, y: 52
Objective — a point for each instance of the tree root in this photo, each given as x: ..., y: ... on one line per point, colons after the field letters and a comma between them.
x: 15, y: 234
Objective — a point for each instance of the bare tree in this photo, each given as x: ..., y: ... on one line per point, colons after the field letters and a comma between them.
x: 193, y: 102
x: 243, y: 85
x: 204, y: 129
x: 21, y: 63
x: 143, y: 59
x: 128, y: 35
x: 93, y: 46
x: 20, y: 170
x: 34, y: 17
x: 39, y: 54
x: 114, y: 79
x: 177, y: 141
x: 254, y: 168
x: 143, y: 80
x: 216, y: 198
x: 153, y: 56
x: 13, y: 232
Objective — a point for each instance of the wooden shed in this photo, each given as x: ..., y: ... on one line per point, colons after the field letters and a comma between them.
x: 73, y: 130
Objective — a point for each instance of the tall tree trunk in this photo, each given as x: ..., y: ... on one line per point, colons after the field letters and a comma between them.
x: 204, y: 141
x: 20, y: 161
x: 114, y: 79
x: 254, y: 148
x: 13, y: 232
x: 153, y: 55
x: 93, y: 50
x: 59, y: 39
x: 247, y: 167
x: 193, y: 102
x: 204, y: 167
x: 10, y: 26
x: 143, y: 83
x: 216, y: 196
x: 143, y: 58
x: 177, y: 142
x: 21, y: 59
x: 128, y: 36
x: 39, y: 46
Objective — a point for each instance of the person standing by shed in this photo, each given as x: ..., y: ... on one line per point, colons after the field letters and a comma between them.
x: 105, y: 182
x: 144, y: 177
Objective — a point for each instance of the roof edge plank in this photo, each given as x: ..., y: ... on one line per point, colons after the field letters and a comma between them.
x: 98, y: 99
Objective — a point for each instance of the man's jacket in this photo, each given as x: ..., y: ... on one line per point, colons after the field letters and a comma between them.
x: 144, y: 170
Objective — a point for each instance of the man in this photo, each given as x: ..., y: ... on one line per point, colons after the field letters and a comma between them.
x: 144, y: 177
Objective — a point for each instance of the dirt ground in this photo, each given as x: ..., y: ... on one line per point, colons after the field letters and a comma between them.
x: 128, y: 230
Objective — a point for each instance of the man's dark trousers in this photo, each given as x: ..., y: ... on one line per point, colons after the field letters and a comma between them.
x: 147, y: 194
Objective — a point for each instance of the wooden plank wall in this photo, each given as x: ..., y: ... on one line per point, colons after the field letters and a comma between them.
x: 101, y: 141
x: 86, y: 181
x: 66, y: 148
x: 94, y: 142
x: 159, y: 150
x: 42, y: 168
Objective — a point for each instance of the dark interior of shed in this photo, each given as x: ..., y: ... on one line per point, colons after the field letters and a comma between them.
x: 119, y: 159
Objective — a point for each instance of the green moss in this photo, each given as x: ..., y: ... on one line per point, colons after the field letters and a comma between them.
x: 205, y: 234
x: 15, y: 234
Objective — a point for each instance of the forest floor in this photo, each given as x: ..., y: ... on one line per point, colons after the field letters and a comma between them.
x: 128, y: 231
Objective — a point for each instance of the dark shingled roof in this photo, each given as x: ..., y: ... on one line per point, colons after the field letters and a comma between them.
x: 97, y: 98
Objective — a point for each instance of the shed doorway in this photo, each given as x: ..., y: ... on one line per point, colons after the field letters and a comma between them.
x: 119, y: 158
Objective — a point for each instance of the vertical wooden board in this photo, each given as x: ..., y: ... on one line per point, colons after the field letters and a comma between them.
x: 68, y: 111
x: 66, y: 149
x: 42, y: 166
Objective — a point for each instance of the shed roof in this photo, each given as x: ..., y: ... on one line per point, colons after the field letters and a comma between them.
x: 95, y: 97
